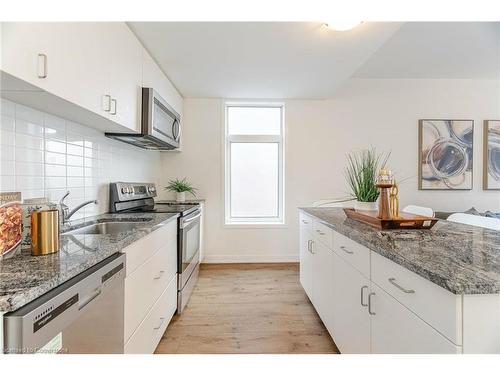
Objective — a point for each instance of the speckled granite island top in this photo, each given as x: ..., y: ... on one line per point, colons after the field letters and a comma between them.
x: 460, y: 258
x: 24, y: 278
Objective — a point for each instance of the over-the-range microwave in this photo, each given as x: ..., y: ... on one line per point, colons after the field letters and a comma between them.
x: 160, y: 124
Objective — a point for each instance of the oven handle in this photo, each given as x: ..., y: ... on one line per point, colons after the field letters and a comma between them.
x: 185, y: 222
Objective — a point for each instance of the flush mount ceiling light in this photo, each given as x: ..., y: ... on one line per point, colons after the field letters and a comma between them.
x: 342, y: 25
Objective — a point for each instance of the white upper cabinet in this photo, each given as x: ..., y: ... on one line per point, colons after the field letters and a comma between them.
x: 95, y: 66
x: 68, y: 60
x: 152, y: 76
x: 125, y: 76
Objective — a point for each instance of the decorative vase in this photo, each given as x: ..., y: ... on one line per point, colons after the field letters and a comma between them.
x: 180, y: 196
x: 365, y: 206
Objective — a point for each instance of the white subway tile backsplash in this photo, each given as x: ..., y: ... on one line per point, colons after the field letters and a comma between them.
x: 44, y: 155
x: 29, y: 169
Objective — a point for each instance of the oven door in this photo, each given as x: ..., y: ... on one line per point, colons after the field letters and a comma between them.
x: 189, y: 236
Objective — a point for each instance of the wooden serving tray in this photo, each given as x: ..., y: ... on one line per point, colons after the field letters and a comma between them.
x: 403, y: 221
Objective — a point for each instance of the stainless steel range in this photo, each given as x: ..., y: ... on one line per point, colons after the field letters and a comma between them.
x: 139, y: 197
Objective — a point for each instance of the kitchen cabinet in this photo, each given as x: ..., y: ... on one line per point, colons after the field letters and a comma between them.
x: 306, y: 262
x: 355, y: 294
x: 88, y: 72
x: 351, y: 319
x: 323, y: 282
x: 65, y: 59
x: 395, y: 329
x: 125, y: 76
x: 152, y: 76
x: 150, y: 288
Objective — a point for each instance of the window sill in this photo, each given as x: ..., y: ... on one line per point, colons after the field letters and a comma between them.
x: 255, y: 225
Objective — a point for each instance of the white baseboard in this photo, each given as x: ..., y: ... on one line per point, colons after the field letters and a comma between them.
x: 291, y: 258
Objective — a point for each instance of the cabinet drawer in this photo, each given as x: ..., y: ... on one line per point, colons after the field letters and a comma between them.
x: 323, y: 233
x: 436, y: 306
x: 146, y: 283
x: 143, y: 249
x: 305, y: 221
x: 146, y: 338
x: 355, y: 254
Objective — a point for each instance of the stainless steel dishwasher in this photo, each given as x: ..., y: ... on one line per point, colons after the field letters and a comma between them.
x: 83, y: 315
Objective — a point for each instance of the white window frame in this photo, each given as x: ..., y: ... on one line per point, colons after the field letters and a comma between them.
x: 280, y: 140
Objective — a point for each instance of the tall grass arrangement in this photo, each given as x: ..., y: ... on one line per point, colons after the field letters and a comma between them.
x: 361, y: 173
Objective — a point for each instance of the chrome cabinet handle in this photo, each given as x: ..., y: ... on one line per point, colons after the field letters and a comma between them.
x: 42, y: 65
x: 312, y: 243
x: 305, y: 221
x: 309, y: 245
x: 362, y: 296
x: 106, y: 103
x: 346, y: 250
x: 320, y: 232
x: 161, y: 322
x: 370, y: 304
x: 392, y: 280
x: 113, y: 101
x: 159, y: 276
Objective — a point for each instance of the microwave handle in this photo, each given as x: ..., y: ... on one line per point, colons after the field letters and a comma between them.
x: 176, y: 130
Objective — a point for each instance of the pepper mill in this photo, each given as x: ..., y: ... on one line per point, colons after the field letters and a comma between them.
x: 384, y: 183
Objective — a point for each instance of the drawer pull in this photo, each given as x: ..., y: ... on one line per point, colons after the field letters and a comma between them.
x: 362, y: 296
x: 346, y: 250
x: 42, y: 65
x: 370, y: 304
x: 312, y: 250
x: 305, y: 221
x: 159, y: 276
x: 392, y: 280
x: 320, y: 232
x: 159, y: 326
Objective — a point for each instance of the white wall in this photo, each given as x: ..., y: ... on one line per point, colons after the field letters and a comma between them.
x: 319, y: 133
x: 43, y: 155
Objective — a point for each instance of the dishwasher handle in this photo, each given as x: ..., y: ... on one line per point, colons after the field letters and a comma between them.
x: 89, y: 298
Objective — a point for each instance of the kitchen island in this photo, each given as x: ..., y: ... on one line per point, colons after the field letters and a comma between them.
x: 402, y: 291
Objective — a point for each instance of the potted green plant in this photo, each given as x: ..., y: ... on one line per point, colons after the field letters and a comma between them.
x: 181, y: 187
x: 361, y: 175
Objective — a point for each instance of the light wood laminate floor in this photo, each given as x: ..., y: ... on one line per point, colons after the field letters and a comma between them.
x: 248, y: 308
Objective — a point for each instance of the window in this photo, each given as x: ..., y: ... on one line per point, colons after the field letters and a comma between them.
x: 254, y: 163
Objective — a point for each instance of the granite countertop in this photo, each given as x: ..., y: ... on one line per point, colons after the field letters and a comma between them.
x: 24, y: 278
x: 460, y: 258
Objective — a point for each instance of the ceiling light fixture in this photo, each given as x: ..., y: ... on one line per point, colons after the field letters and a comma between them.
x: 342, y: 25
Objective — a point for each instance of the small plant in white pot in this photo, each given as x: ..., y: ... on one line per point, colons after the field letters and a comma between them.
x: 181, y: 187
x: 361, y: 175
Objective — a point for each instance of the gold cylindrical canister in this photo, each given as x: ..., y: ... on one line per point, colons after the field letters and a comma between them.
x: 44, y: 232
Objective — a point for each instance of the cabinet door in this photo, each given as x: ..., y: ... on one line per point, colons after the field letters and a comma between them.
x: 395, y: 329
x: 351, y: 323
x: 323, y: 283
x: 306, y: 263
x: 125, y: 80
x: 67, y: 59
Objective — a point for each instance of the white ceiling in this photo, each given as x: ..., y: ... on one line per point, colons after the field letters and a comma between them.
x: 259, y: 59
x: 438, y: 50
x: 308, y: 60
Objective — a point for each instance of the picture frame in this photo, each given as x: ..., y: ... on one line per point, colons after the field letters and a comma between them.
x: 445, y: 154
x: 491, y: 155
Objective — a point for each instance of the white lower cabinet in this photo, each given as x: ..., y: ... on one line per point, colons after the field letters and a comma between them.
x: 306, y: 262
x: 351, y: 320
x: 365, y: 300
x: 149, y: 333
x: 150, y: 288
x: 395, y: 329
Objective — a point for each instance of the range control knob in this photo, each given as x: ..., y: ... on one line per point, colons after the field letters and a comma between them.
x: 124, y: 190
x: 151, y: 189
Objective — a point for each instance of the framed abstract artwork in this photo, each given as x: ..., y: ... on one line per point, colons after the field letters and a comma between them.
x: 491, y: 155
x: 445, y: 154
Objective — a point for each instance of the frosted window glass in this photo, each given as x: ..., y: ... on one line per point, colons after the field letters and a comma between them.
x: 254, y: 180
x: 255, y: 121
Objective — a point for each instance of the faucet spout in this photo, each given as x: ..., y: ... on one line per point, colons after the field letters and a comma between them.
x: 77, y: 208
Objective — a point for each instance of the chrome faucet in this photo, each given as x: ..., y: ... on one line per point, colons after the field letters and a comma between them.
x: 66, y: 213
